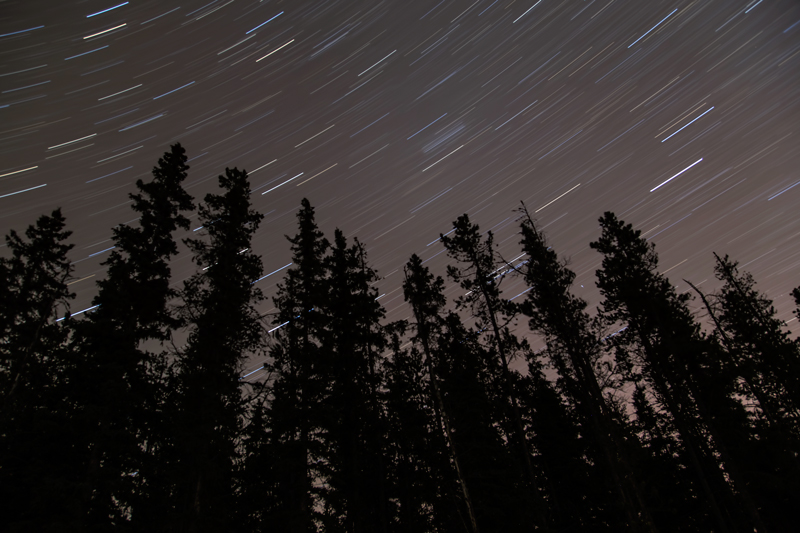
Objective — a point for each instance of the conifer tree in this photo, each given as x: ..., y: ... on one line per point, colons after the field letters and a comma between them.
x: 425, y: 294
x: 763, y: 364
x: 33, y: 282
x: 677, y: 362
x: 765, y: 357
x: 463, y: 379
x: 118, y: 403
x: 224, y: 330
x: 299, y: 388
x: 423, y: 491
x: 477, y: 274
x: 354, y: 423
x: 573, y: 342
x: 38, y: 456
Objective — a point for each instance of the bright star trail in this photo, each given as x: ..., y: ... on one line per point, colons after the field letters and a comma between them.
x: 396, y: 117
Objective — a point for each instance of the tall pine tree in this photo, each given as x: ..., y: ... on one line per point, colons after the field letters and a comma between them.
x: 355, y: 425
x: 476, y: 273
x: 677, y: 362
x: 299, y: 387
x: 763, y: 365
x: 425, y: 295
x: 224, y: 330
x: 573, y: 342
x: 118, y: 407
x: 39, y: 456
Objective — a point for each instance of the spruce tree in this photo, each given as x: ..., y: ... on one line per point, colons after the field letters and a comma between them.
x: 425, y: 295
x: 39, y: 477
x: 299, y: 386
x: 764, y: 355
x: 118, y: 401
x: 677, y: 363
x: 476, y: 273
x: 34, y: 286
x: 763, y: 365
x: 574, y: 347
x: 354, y: 423
x: 224, y: 330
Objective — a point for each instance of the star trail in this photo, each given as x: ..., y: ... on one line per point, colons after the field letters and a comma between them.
x: 395, y: 117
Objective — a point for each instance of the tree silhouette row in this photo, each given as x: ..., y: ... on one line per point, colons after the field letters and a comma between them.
x: 134, y: 416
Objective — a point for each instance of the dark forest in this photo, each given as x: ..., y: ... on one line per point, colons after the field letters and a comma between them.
x: 641, y: 416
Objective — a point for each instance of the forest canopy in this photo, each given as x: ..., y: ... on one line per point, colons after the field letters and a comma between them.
x: 636, y: 417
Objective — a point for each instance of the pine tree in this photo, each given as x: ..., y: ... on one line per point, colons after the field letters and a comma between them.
x: 224, y: 330
x: 765, y: 357
x: 299, y: 388
x: 33, y: 283
x: 477, y: 274
x: 573, y: 342
x: 463, y: 381
x: 354, y: 425
x: 38, y: 456
x: 423, y: 491
x: 118, y: 404
x: 677, y: 362
x: 425, y: 294
x: 762, y: 364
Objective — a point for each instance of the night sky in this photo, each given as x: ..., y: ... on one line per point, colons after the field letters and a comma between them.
x: 395, y: 117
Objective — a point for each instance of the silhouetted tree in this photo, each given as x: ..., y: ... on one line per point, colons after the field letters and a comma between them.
x: 573, y: 345
x: 299, y: 388
x: 224, y: 330
x: 677, y: 362
x: 762, y: 364
x: 425, y: 294
x: 764, y: 355
x: 355, y: 424
x: 477, y: 274
x: 119, y: 410
x: 39, y: 459
x: 423, y: 491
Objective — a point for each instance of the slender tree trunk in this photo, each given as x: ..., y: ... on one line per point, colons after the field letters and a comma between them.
x: 730, y: 462
x: 609, y: 440
x: 507, y: 391
x: 686, y: 434
x: 439, y: 402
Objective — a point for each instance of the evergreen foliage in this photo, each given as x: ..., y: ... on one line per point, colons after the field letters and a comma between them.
x: 39, y: 472
x: 136, y: 416
x: 677, y: 363
x: 224, y: 329
x: 298, y: 389
x: 119, y: 387
x: 476, y: 273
